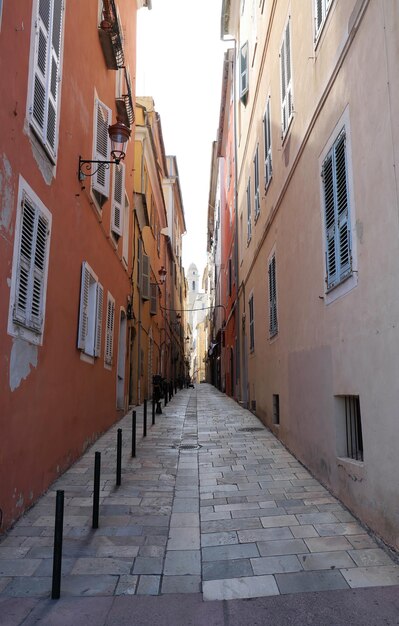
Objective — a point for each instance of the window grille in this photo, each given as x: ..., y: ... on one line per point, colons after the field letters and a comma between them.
x: 353, y: 423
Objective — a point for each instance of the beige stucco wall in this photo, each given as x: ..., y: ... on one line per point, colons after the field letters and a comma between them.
x: 327, y: 347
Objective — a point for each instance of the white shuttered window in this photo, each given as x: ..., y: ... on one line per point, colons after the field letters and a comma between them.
x: 118, y: 199
x: 90, y: 312
x: 30, y: 264
x: 256, y: 184
x: 321, y: 8
x: 44, y: 94
x: 286, y: 79
x: 249, y: 212
x: 267, y: 136
x: 145, y: 278
x: 101, y: 148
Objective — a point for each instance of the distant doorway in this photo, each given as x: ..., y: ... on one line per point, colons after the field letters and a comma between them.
x: 120, y: 376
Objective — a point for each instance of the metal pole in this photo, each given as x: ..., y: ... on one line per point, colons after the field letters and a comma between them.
x: 153, y: 409
x: 145, y: 419
x: 134, y: 433
x: 57, y: 555
x: 96, y: 492
x: 119, y: 458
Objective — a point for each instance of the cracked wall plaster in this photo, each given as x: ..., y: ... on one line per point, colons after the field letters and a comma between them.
x: 23, y: 360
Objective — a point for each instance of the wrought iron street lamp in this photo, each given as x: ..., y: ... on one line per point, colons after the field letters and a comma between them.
x: 119, y: 134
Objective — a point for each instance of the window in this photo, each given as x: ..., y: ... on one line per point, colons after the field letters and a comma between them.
x: 109, y: 330
x: 286, y: 80
x: 256, y: 184
x: 45, y: 85
x: 30, y: 266
x: 101, y: 151
x: 249, y: 217
x: 193, y: 285
x: 118, y: 199
x: 145, y: 277
x: 244, y: 72
x: 1, y: 11
x: 273, y: 325
x: 126, y: 225
x: 276, y: 409
x: 321, y: 10
x: 336, y: 213
x: 154, y: 299
x: 268, y: 144
x: 90, y: 312
x: 251, y: 323
x: 349, y: 428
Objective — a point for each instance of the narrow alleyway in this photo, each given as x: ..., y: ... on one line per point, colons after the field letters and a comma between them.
x: 212, y: 503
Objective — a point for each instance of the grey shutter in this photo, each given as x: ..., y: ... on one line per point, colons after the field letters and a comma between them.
x: 244, y: 70
x: 249, y: 217
x: 84, y: 307
x: 102, y: 147
x: 318, y: 14
x: 268, y: 144
x: 154, y: 299
x: 31, y: 267
x: 341, y: 174
x: 118, y: 199
x: 109, y: 331
x: 273, y: 326
x: 140, y: 265
x: 145, y: 292
x: 99, y: 319
x: 329, y: 219
x: 256, y: 184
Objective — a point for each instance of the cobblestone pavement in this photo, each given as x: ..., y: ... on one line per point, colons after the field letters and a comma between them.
x: 238, y: 517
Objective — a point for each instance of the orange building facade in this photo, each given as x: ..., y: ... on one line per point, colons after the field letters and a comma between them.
x: 66, y: 253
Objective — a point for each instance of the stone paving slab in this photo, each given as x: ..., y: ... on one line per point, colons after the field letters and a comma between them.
x: 238, y: 517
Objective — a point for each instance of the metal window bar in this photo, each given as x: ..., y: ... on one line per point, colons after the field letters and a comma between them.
x: 354, y: 438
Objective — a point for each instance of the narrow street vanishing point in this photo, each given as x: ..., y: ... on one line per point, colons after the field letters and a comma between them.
x: 211, y: 508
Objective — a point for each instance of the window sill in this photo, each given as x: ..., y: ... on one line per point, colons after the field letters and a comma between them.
x: 25, y: 333
x: 87, y: 358
x: 352, y: 468
x: 340, y: 290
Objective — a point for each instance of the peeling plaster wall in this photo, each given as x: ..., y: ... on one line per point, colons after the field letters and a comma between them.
x: 23, y: 358
x: 6, y: 196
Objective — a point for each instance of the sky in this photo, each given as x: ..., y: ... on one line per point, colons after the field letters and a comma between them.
x: 179, y: 64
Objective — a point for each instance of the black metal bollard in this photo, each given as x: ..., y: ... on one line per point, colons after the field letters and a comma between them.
x: 96, y: 492
x: 119, y: 458
x: 57, y: 555
x: 153, y: 409
x: 134, y: 433
x: 145, y: 419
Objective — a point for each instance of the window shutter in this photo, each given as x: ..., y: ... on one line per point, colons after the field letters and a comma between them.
x: 318, y: 14
x: 268, y: 144
x: 102, y: 147
x: 249, y: 222
x: 33, y: 251
x: 84, y: 307
x: 345, y: 260
x: 126, y: 224
x: 99, y: 318
x: 109, y: 331
x: 329, y: 216
x: 244, y: 70
x: 118, y: 199
x: 286, y: 79
x: 273, y: 325
x: 256, y: 184
x: 154, y: 299
x: 140, y: 265
x: 46, y: 73
x: 145, y: 292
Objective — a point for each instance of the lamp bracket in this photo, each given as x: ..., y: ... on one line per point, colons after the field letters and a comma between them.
x: 86, y: 167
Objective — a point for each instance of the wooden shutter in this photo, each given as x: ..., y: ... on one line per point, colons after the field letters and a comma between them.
x: 244, y: 70
x: 249, y: 219
x: 251, y: 324
x: 318, y: 14
x: 256, y: 184
x: 99, y: 319
x: 341, y: 174
x: 118, y: 199
x: 46, y: 73
x: 102, y: 147
x: 273, y: 325
x: 31, y: 266
x: 109, y: 330
x: 329, y: 218
x: 126, y: 225
x: 154, y: 299
x: 268, y: 144
x: 140, y: 264
x: 145, y: 292
x: 84, y: 307
x: 286, y: 79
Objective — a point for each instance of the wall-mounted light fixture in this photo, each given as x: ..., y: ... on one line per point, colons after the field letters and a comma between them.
x: 119, y: 135
x: 162, y: 275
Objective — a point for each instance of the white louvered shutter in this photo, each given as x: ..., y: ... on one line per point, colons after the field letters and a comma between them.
x: 31, y: 267
x: 109, y: 330
x: 145, y: 293
x: 99, y: 319
x: 154, y: 299
x: 341, y: 174
x: 102, y: 147
x: 256, y: 184
x: 268, y: 144
x: 249, y: 217
x: 118, y: 199
x: 140, y: 264
x: 244, y: 82
x: 286, y: 79
x: 43, y: 108
x: 84, y: 307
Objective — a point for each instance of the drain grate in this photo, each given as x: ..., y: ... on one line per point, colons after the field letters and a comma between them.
x: 250, y: 429
x: 187, y: 446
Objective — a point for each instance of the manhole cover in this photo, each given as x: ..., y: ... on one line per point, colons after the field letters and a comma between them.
x: 250, y: 429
